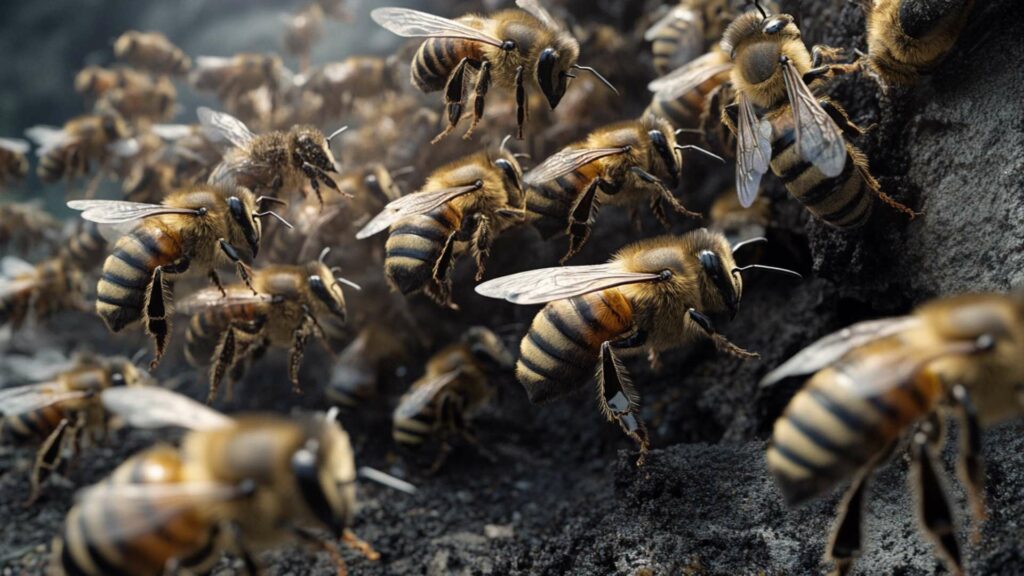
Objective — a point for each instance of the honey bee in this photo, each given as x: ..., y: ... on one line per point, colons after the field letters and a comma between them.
x: 283, y: 310
x: 152, y: 100
x: 354, y: 378
x: 189, y: 149
x: 874, y: 383
x: 95, y: 81
x: 230, y: 78
x: 64, y: 413
x: 339, y: 84
x: 510, y: 49
x: 302, y: 30
x: 653, y: 295
x: 244, y: 484
x: 736, y: 222
x: 802, y: 136
x: 85, y: 247
x: 691, y: 99
x: 453, y: 387
x: 68, y: 152
x: 621, y: 164
x: 151, y: 51
x: 38, y: 291
x: 685, y: 31
x: 26, y: 227
x: 194, y: 230
x: 13, y: 163
x: 472, y: 200
x: 334, y: 9
x: 272, y: 161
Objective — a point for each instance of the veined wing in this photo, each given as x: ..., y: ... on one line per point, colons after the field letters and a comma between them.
x: 753, y: 152
x: 410, y: 205
x: 566, y: 162
x: 32, y: 397
x: 550, y: 284
x: 818, y: 138
x: 689, y: 76
x: 223, y: 125
x: 415, y: 24
x: 153, y: 407
x: 120, y: 212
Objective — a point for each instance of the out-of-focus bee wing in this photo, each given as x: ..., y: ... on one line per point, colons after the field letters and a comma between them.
x: 32, y: 397
x: 831, y: 348
x: 12, y: 266
x: 125, y: 147
x: 222, y: 125
x: 550, y: 284
x: 415, y: 24
x: 694, y: 21
x: 875, y: 370
x: 567, y: 161
x: 172, y: 132
x: 338, y: 72
x: 410, y: 205
x: 16, y: 145
x: 213, y: 298
x: 120, y: 212
x: 753, y: 152
x: 424, y: 393
x: 47, y: 138
x: 153, y: 407
x: 540, y: 13
x: 818, y: 138
x: 689, y: 76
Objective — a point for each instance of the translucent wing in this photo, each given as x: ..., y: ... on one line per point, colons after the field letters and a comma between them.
x: 690, y: 76
x: 338, y: 72
x: 689, y: 16
x: 879, y: 366
x: 409, y: 205
x: 567, y: 161
x: 25, y: 399
x: 424, y: 393
x: 831, y: 348
x: 46, y: 138
x: 12, y: 266
x: 818, y: 138
x: 213, y: 298
x: 753, y: 152
x: 540, y: 13
x: 152, y: 407
x: 16, y: 145
x: 222, y: 125
x: 125, y: 147
x: 415, y: 24
x: 549, y: 284
x: 172, y: 132
x: 120, y: 212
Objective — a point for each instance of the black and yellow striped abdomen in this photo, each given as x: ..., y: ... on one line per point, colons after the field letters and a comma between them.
x: 560, y: 352
x: 673, y: 43
x: 128, y: 271
x: 108, y: 536
x: 86, y: 246
x: 437, y: 58
x: 66, y: 162
x: 550, y: 203
x: 415, y: 429
x: 206, y: 328
x: 32, y: 427
x: 414, y: 246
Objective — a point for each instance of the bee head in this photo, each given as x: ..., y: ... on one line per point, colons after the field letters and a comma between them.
x: 756, y: 41
x: 664, y: 146
x: 325, y: 474
x: 309, y: 146
x: 725, y: 286
x: 325, y: 285
x: 488, y: 349
x: 241, y: 211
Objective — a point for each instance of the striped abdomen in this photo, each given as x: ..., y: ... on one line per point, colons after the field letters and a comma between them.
x: 685, y: 111
x: 128, y: 271
x: 437, y: 58
x: 35, y: 426
x: 551, y: 202
x: 86, y: 246
x: 62, y: 162
x: 414, y: 246
x: 97, y: 539
x: 560, y: 352
x: 843, y: 202
x: 14, y: 307
x: 827, y: 432
x: 206, y: 328
x: 676, y: 43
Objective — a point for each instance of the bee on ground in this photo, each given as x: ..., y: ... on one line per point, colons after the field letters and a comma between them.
x: 356, y: 374
x: 874, y: 383
x: 151, y: 51
x: 653, y: 295
x: 38, y: 291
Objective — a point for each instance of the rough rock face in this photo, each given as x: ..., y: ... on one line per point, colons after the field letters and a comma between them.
x: 563, y: 496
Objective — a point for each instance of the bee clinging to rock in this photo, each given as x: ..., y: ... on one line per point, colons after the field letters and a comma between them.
x: 510, y: 49
x: 653, y: 295
x: 876, y: 383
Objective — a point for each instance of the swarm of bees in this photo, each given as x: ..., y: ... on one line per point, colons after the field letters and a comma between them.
x: 273, y: 167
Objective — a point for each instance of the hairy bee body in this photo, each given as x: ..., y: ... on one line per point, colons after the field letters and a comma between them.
x: 49, y: 287
x: 86, y: 247
x: 908, y: 38
x: 68, y: 153
x: 692, y: 26
x: 151, y: 51
x: 13, y: 166
x: 687, y: 110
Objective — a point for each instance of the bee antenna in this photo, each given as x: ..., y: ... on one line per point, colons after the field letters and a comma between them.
x: 701, y: 150
x: 748, y: 242
x: 271, y: 199
x: 347, y: 282
x: 598, y: 74
x: 769, y: 268
x: 276, y: 216
x: 504, y: 142
x: 688, y: 131
x: 138, y: 356
x: 336, y: 132
x: 386, y: 480
x: 323, y: 254
x: 757, y: 4
x: 332, y: 414
x: 522, y: 155
x: 403, y: 171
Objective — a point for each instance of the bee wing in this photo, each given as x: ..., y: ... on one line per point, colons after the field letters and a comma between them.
x: 16, y: 145
x: 172, y: 132
x: 689, y: 76
x: 153, y: 407
x: 221, y: 125
x: 875, y: 372
x: 413, y: 403
x: 338, y: 72
x: 32, y: 397
x: 410, y: 205
x: 213, y: 298
x: 120, y: 212
x: 567, y: 161
x: 47, y: 138
x: 12, y: 266
x: 753, y: 152
x: 831, y: 348
x: 818, y: 138
x: 549, y: 284
x: 694, y: 22
x: 415, y: 24
x: 125, y: 147
x: 540, y: 13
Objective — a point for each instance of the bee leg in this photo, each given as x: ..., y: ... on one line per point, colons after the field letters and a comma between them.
x: 348, y: 538
x: 664, y: 193
x: 311, y: 174
x: 721, y: 342
x: 299, y: 338
x: 580, y: 219
x: 483, y: 83
x: 316, y: 541
x: 481, y: 243
x: 441, y: 286
x: 658, y: 209
x: 225, y: 354
x: 252, y: 568
x: 243, y: 271
x: 845, y: 542
x: 618, y: 399
x: 212, y: 274
x: 970, y: 465
x: 838, y: 115
x: 932, y: 502
x: 453, y: 94
x: 860, y: 162
x: 48, y: 457
x: 522, y: 105
x: 157, y: 322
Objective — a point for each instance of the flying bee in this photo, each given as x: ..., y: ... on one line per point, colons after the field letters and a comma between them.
x: 653, y: 295
x: 150, y: 101
x: 302, y: 31
x: 472, y: 200
x: 68, y: 152
x: 283, y: 310
x: 691, y: 99
x: 26, y: 227
x: 801, y: 136
x: 340, y: 84
x: 95, y: 81
x: 874, y: 383
x: 232, y: 77
x: 38, y: 291
x: 62, y: 414
x: 13, y: 163
x: 194, y: 230
x: 686, y: 31
x: 622, y: 164
x: 244, y: 484
x: 453, y: 387
x: 509, y: 49
x: 273, y: 161
x: 85, y: 247
x: 151, y: 51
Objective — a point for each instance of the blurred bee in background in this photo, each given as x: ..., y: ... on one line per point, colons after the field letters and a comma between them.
x: 69, y: 152
x: 652, y: 296
x: 471, y: 200
x: 686, y: 31
x: 691, y: 99
x: 26, y: 227
x: 151, y: 51
x: 441, y: 403
x: 194, y: 230
x: 877, y: 382
x: 355, y: 377
x: 38, y: 291
x: 84, y: 247
x: 145, y: 102
x: 273, y: 161
x: 13, y: 163
x: 337, y: 85
x: 149, y: 182
x: 303, y: 30
x: 95, y: 81
x: 283, y: 309
x: 189, y: 149
x: 801, y: 136
x: 397, y: 132
x: 65, y: 413
x: 622, y: 164
x: 509, y: 49
x: 335, y: 9
x: 233, y: 78
x: 244, y: 484
x: 736, y: 222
